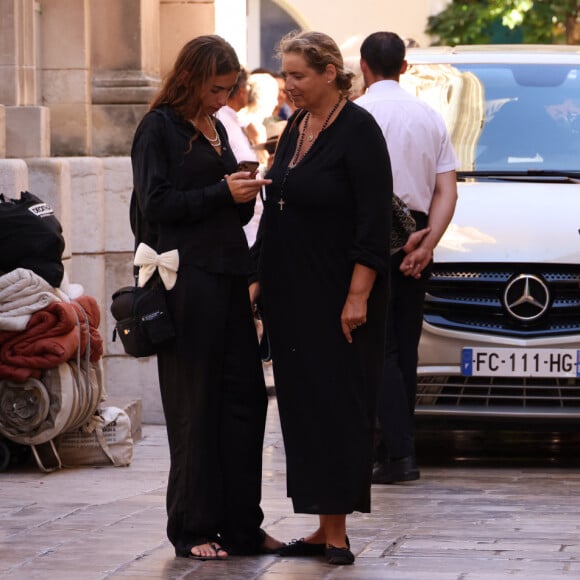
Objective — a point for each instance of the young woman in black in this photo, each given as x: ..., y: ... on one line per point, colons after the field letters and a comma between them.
x: 188, y: 196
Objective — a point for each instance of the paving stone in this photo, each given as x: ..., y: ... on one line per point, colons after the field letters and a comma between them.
x: 455, y: 523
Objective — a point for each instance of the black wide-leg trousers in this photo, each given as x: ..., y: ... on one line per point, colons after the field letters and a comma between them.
x: 214, y: 401
x: 396, y: 409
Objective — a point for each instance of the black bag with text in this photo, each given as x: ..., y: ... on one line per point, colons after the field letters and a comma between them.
x: 31, y: 237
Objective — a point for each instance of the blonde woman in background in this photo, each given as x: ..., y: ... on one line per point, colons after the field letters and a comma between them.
x: 352, y: 63
x: 262, y: 99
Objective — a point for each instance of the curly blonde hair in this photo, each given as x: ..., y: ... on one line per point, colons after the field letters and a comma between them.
x: 318, y: 50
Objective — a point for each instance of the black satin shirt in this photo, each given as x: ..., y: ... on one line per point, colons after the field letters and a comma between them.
x: 180, y: 198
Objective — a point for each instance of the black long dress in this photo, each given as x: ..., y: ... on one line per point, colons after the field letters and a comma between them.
x: 211, y: 379
x: 336, y: 214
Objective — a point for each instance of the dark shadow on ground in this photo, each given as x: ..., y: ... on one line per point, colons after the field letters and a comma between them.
x: 526, y: 446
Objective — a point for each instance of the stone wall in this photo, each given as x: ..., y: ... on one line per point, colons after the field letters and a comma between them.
x: 91, y: 196
x: 76, y: 76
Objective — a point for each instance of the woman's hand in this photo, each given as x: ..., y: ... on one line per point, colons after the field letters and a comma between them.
x: 244, y: 187
x: 254, y: 289
x: 354, y: 311
x: 354, y: 314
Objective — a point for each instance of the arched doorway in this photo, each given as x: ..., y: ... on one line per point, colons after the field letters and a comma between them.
x: 275, y: 22
x: 266, y: 22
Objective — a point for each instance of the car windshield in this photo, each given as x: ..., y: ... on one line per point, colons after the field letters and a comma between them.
x: 506, y: 117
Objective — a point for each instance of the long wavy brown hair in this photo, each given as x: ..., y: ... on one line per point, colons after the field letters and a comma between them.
x: 198, y: 61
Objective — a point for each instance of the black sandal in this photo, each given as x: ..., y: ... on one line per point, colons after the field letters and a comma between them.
x: 187, y: 553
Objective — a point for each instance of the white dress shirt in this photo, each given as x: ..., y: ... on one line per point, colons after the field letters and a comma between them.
x: 243, y: 152
x: 417, y: 139
x: 238, y: 139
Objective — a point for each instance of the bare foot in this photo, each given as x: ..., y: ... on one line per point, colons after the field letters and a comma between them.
x: 209, y: 551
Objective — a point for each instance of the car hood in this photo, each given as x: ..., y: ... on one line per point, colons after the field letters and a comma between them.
x: 513, y: 222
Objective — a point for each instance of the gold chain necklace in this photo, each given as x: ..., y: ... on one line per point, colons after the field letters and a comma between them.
x: 296, y: 158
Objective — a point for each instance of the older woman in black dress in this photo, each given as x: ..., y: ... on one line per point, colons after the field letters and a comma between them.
x: 323, y: 254
x: 188, y: 196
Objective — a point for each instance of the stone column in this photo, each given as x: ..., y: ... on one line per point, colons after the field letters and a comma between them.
x: 125, y: 62
x: 65, y: 74
x: 2, y: 131
x: 182, y: 20
x: 24, y: 127
x: 17, y: 52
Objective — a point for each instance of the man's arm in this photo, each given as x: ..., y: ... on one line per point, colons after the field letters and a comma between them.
x: 440, y: 214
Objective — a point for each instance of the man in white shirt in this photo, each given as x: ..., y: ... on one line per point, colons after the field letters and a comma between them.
x: 423, y: 163
x: 228, y: 115
x: 239, y: 142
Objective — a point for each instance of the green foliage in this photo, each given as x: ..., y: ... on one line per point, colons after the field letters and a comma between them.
x: 464, y: 22
x: 483, y: 22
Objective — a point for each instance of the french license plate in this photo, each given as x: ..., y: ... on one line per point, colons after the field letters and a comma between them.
x: 520, y: 362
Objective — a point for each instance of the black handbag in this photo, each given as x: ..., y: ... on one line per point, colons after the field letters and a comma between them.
x: 143, y: 321
x: 142, y: 318
x: 402, y: 225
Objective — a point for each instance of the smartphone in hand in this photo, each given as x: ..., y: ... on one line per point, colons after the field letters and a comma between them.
x: 251, y: 166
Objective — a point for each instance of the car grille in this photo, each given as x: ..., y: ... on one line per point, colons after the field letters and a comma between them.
x: 469, y: 297
x: 514, y: 397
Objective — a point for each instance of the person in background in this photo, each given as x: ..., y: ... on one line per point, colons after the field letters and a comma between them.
x: 188, y: 196
x: 228, y: 115
x: 322, y: 266
x: 262, y: 99
x: 239, y: 140
x: 358, y: 88
x: 283, y: 108
x: 424, y: 164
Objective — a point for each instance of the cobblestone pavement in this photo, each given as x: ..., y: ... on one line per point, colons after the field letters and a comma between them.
x: 455, y: 523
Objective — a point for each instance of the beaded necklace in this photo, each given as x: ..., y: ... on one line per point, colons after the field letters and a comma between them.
x: 296, y: 158
x: 215, y: 141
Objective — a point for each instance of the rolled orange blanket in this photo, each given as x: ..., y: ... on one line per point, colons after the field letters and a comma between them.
x: 89, y: 306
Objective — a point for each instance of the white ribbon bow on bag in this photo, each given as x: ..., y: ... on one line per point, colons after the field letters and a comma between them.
x: 148, y: 260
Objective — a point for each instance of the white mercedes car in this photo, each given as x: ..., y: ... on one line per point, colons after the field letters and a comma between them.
x: 501, y: 332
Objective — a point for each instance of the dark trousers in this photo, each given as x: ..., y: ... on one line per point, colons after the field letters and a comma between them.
x: 215, y: 402
x: 399, y: 385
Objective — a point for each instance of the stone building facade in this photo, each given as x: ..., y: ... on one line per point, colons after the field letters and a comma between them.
x: 75, y: 78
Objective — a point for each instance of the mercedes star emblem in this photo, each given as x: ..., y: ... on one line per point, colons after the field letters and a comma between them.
x: 526, y: 297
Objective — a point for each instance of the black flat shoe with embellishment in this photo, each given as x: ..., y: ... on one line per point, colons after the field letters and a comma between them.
x: 338, y: 556
x: 297, y: 548
x: 301, y: 548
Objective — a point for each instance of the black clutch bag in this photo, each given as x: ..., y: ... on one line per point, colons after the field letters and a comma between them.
x: 402, y: 225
